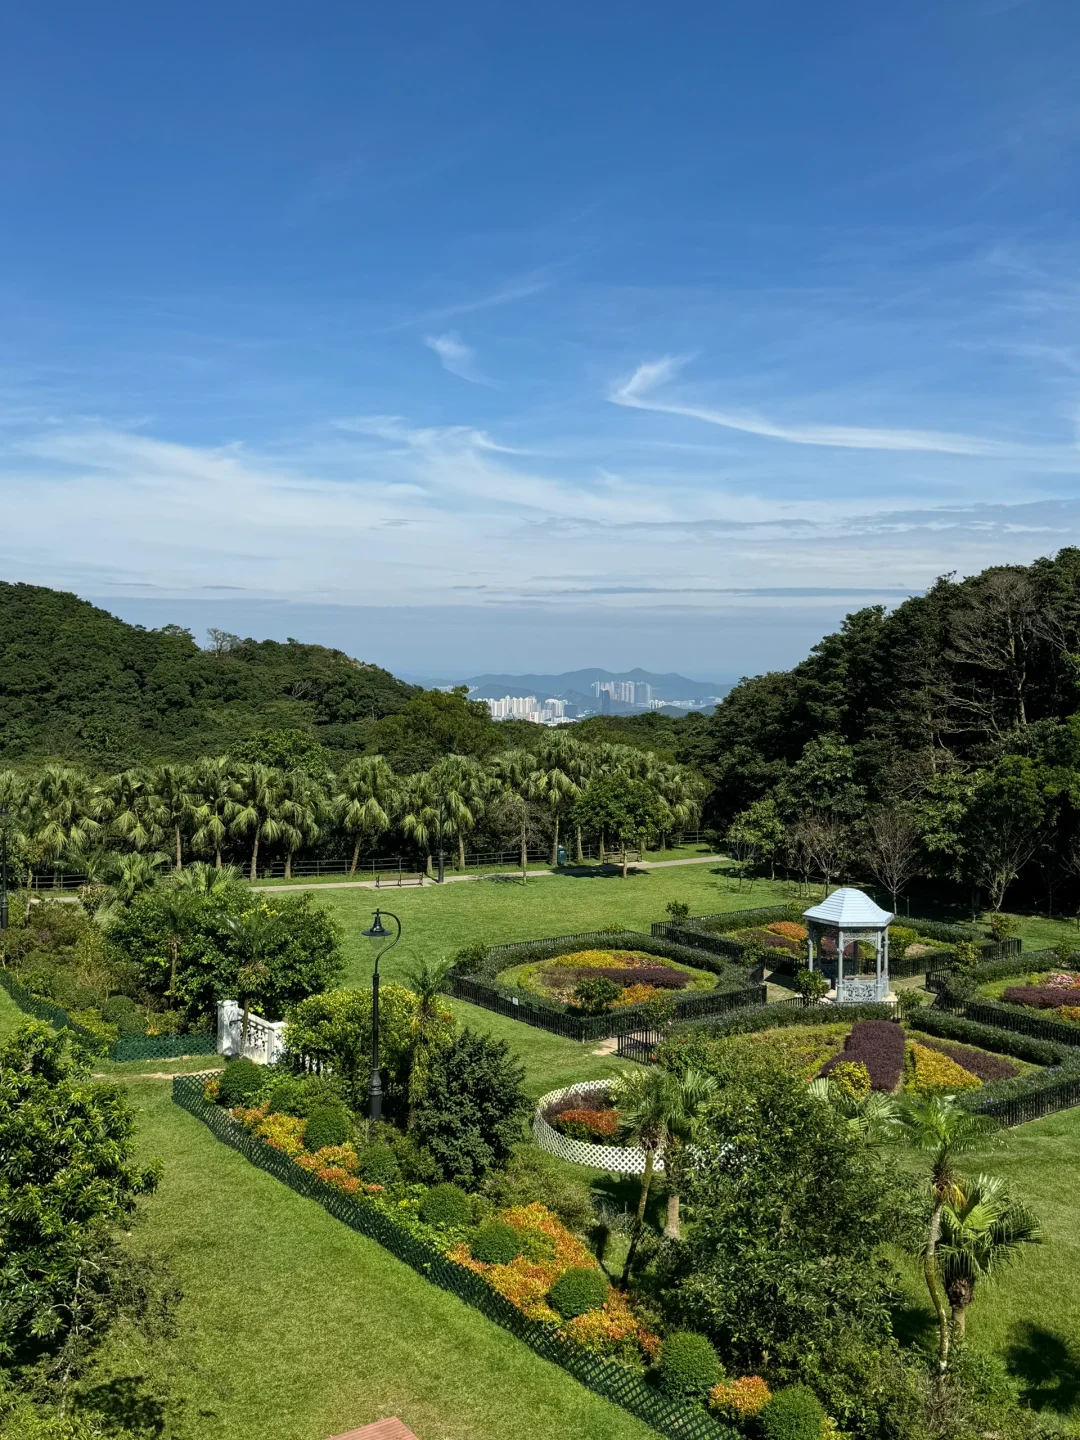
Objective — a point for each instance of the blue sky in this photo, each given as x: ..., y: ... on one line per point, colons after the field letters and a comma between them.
x: 487, y: 337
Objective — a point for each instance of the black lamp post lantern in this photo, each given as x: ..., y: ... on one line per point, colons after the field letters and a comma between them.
x: 378, y: 934
x: 3, y: 871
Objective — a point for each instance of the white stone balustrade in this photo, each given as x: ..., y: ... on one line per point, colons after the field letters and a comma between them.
x: 263, y: 1043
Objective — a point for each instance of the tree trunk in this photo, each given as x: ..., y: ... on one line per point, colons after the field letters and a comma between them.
x: 288, y: 864
x: 355, y: 857
x: 255, y: 858
x: 624, y: 862
x: 461, y: 851
x: 580, y: 852
x: 217, y: 857
x: 427, y: 865
x: 555, y: 844
x: 174, y: 947
x: 179, y: 853
x: 524, y: 852
x: 602, y: 847
x: 931, y: 1276
x: 671, y: 1224
x: 639, y: 1222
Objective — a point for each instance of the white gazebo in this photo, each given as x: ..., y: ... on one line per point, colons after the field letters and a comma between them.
x: 834, y: 930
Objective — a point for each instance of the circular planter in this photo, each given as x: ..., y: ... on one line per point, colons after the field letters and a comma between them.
x: 619, y: 1158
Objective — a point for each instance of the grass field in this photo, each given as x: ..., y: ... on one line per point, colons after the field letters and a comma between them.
x: 294, y: 1328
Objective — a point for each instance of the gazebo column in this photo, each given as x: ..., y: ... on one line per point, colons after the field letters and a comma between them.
x: 884, y: 961
x: 839, y: 964
x: 810, y: 945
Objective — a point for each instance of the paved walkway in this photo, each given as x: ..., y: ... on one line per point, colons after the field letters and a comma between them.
x: 494, y: 875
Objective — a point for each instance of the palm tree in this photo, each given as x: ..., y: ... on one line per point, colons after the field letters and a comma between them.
x: 459, y: 785
x: 682, y: 792
x: 130, y: 875
x: 203, y: 879
x: 514, y: 779
x: 429, y: 1026
x: 253, y: 933
x: 66, y: 810
x: 367, y: 798
x: 303, y: 801
x: 134, y: 809
x: 982, y: 1230
x: 420, y: 814
x: 213, y: 793
x: 659, y: 1111
x: 174, y: 788
x: 937, y: 1126
x: 256, y: 809
x: 555, y: 784
x: 177, y: 907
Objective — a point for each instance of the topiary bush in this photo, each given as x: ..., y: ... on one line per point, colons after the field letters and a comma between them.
x: 240, y: 1082
x: 688, y: 1366
x: 446, y: 1205
x: 495, y: 1243
x: 577, y: 1291
x: 596, y: 997
x: 792, y: 1414
x: 327, y: 1125
x: 122, y: 1011
x: 379, y: 1166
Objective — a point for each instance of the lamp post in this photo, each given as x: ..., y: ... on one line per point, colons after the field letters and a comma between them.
x: 3, y: 871
x: 378, y: 934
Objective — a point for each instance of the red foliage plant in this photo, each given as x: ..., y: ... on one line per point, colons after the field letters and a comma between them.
x: 1038, y: 997
x: 659, y: 976
x: 877, y: 1044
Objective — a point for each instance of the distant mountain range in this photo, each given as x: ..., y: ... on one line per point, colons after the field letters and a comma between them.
x: 577, y: 685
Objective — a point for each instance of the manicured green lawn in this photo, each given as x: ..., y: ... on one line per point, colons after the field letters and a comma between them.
x: 295, y: 1328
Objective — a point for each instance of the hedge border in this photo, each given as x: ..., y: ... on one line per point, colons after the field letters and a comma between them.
x: 478, y: 987
x: 127, y: 1047
x: 603, y: 1377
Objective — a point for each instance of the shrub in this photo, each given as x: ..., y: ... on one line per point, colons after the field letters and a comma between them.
x: 1039, y: 997
x: 379, y: 1166
x: 851, y: 1077
x: 794, y: 1413
x: 327, y: 1125
x: 470, y: 1114
x: 741, y: 1399
x: 1069, y: 1013
x: 588, y: 1125
x: 928, y: 1070
x: 989, y: 1037
x: 1003, y: 927
x: 470, y: 958
x: 446, y: 1206
x: 900, y: 937
x: 495, y: 1243
x: 301, y: 1094
x: 101, y: 1033
x: 241, y: 1081
x: 578, y: 1290
x: 677, y: 909
x: 122, y: 1011
x: 788, y: 929
x: 811, y: 984
x: 688, y: 1365
x: 596, y: 997
x: 663, y: 977
x: 877, y: 1044
x: 976, y: 1062
x: 531, y: 1176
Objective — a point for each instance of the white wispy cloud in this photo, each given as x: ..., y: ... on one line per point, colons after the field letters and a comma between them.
x: 456, y: 357
x: 638, y: 393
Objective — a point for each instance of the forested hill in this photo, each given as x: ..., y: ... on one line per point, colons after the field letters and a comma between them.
x: 947, y: 684
x: 78, y: 684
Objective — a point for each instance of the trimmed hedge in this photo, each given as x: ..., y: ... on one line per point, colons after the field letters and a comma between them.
x: 604, y: 1377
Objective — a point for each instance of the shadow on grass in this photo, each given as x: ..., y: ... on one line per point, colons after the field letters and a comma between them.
x: 123, y: 1407
x: 914, y: 1326
x: 601, y: 872
x: 1047, y: 1365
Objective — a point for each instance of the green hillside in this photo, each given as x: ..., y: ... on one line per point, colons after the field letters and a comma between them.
x: 78, y: 684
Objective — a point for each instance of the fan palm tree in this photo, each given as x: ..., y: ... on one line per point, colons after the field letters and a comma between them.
x: 367, y: 797
x: 514, y: 782
x: 982, y: 1229
x: 178, y: 907
x: 430, y: 1026
x: 460, y: 787
x: 659, y: 1112
x: 176, y: 799
x: 66, y: 810
x: 303, y: 802
x: 130, y: 875
x: 203, y: 879
x: 213, y: 793
x: 420, y: 814
x: 134, y: 809
x: 936, y: 1126
x: 555, y: 785
x: 256, y: 808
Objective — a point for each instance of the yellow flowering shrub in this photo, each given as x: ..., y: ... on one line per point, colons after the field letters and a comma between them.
x: 637, y: 994
x: 1070, y: 1013
x: 928, y: 1069
x: 283, y: 1132
x: 742, y: 1399
x: 852, y: 1077
x: 212, y: 1089
x: 342, y: 1156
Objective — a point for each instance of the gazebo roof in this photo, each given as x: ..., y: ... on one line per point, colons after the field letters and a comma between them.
x: 849, y: 909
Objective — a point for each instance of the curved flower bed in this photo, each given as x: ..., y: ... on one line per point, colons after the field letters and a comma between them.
x: 637, y: 974
x: 587, y: 1095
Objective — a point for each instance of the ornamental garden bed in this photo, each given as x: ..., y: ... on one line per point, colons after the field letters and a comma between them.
x: 518, y: 1264
x: 579, y: 1123
x: 535, y: 981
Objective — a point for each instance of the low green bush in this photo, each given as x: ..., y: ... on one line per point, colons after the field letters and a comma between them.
x: 240, y: 1083
x: 577, y: 1291
x: 531, y: 1175
x: 446, y: 1205
x: 596, y: 997
x: 327, y: 1125
x: 688, y: 1366
x: 122, y: 1011
x: 987, y: 1037
x: 495, y: 1243
x: 302, y: 1094
x: 794, y: 1413
x: 378, y: 1165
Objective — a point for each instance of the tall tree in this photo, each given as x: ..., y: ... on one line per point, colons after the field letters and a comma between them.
x: 368, y: 794
x: 67, y: 808
x: 214, y: 791
x: 176, y: 795
x: 135, y: 811
x: 303, y: 801
x: 256, y: 809
x: 630, y: 811
x: 515, y: 781
x: 459, y: 788
x: 983, y: 1229
x: 892, y: 849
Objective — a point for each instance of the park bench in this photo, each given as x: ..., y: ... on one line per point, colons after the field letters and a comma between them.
x: 397, y: 878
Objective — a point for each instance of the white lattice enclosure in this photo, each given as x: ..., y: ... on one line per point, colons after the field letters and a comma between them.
x: 623, y: 1160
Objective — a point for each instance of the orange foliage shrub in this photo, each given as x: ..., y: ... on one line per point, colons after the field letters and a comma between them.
x: 637, y: 994
x: 741, y: 1399
x: 788, y: 929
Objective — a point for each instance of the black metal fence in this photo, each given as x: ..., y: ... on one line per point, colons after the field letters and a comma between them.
x: 676, y: 1419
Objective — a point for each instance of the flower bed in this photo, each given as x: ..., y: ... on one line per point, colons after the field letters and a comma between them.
x: 638, y: 975
x: 928, y: 1071
x: 592, y: 1347
x: 1058, y: 991
x: 982, y: 1063
x: 879, y: 1046
x: 591, y: 1097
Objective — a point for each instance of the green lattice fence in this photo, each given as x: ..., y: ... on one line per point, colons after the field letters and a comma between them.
x: 604, y: 1377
